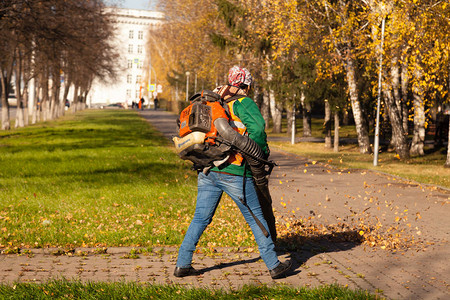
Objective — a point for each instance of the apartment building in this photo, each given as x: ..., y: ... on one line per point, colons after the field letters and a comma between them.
x: 133, y: 29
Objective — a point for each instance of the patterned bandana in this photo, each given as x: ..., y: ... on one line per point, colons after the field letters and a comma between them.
x: 238, y: 76
x: 228, y: 91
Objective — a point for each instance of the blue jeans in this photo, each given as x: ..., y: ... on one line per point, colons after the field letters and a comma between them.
x: 209, y: 191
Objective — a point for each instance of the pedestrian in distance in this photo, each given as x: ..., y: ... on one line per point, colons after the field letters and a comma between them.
x: 235, y: 179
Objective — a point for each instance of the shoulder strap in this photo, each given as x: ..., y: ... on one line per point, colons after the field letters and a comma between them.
x: 235, y: 97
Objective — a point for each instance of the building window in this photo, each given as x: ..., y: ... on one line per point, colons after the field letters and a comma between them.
x: 140, y: 34
x: 128, y: 93
x: 129, y: 78
x: 138, y: 79
x: 130, y: 48
x: 130, y: 64
x: 131, y: 34
x: 140, y: 65
x: 139, y: 49
x: 137, y: 94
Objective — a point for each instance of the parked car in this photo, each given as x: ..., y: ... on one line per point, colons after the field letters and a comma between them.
x: 114, y: 106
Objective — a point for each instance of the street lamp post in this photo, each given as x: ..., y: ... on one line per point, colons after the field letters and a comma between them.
x: 187, y: 85
x: 377, y: 127
x: 176, y: 88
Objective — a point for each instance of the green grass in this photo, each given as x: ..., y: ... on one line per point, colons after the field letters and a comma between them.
x: 100, y: 178
x: 122, y: 290
x: 106, y: 178
x: 428, y: 169
x: 317, y: 129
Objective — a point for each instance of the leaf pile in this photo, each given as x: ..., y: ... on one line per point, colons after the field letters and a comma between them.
x: 363, y: 229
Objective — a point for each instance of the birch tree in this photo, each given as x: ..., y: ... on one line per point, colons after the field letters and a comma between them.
x: 330, y: 29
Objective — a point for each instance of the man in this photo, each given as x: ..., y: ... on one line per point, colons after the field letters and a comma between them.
x: 233, y: 178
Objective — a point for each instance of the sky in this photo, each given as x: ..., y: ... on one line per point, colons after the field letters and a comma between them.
x: 135, y: 4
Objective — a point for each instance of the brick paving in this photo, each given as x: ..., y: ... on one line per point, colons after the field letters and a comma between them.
x: 300, y: 189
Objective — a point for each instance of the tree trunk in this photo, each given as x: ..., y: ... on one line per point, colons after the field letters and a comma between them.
x: 18, y: 83
x: 290, y: 116
x: 336, y: 131
x: 6, y: 124
x: 75, y: 98
x: 44, y: 100
x: 32, y: 100
x: 306, y: 115
x: 67, y: 85
x: 265, y: 108
x: 345, y: 117
x: 447, y: 163
x: 276, y: 113
x: 395, y: 81
x: 85, y: 98
x: 327, y: 125
x: 25, y: 105
x: 361, y: 126
x: 398, y: 136
x: 391, y: 98
x: 258, y: 97
x: 55, y: 96
x: 405, y: 116
x: 419, y: 116
x: 404, y: 86
x: 36, y: 106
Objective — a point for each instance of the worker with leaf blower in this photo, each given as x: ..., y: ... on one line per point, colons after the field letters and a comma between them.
x: 223, y: 133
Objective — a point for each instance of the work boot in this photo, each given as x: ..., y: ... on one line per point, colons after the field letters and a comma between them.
x: 281, y: 270
x: 183, y: 272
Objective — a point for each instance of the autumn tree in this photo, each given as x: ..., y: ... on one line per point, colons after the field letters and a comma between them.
x: 42, y: 40
x: 328, y: 29
x: 186, y: 42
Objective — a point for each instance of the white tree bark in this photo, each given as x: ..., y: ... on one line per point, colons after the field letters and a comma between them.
x: 404, y: 88
x: 276, y: 113
x: 5, y: 79
x: 361, y: 126
x: 336, y: 132
x: 419, y: 117
x: 5, y: 116
x: 265, y: 108
x: 20, y: 108
x: 290, y: 116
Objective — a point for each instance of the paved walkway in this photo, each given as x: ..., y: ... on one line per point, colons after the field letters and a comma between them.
x: 412, y: 213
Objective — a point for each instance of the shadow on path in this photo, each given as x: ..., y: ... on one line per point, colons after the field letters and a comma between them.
x: 299, y: 253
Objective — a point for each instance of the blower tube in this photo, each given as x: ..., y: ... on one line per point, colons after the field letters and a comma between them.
x: 255, y: 158
x: 248, y: 147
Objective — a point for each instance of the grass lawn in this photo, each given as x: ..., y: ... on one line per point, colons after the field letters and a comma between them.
x: 122, y: 290
x: 428, y: 169
x: 106, y: 178
x: 100, y: 178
